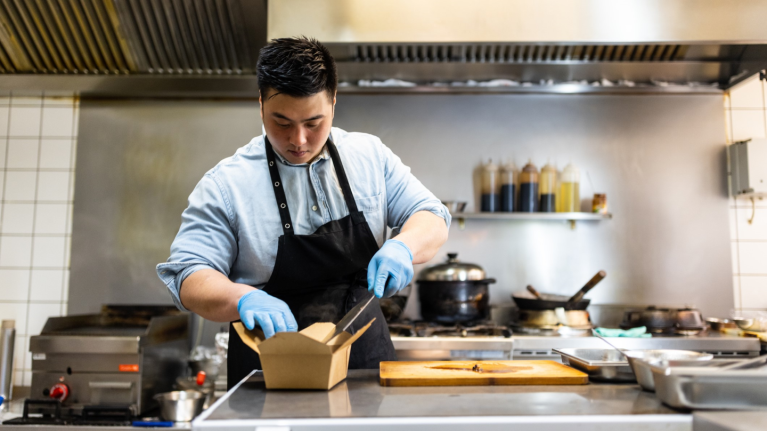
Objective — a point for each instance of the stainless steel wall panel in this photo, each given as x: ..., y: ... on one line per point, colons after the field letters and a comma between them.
x: 658, y: 158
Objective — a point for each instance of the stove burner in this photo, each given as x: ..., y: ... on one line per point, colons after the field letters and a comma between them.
x: 467, y: 329
x: 401, y: 329
x: 551, y: 331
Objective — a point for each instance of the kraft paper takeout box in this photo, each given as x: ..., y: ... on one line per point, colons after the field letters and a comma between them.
x: 302, y: 360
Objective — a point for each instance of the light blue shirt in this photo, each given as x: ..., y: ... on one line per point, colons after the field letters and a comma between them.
x: 232, y: 223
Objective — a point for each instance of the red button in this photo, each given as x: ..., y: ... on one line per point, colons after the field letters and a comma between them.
x: 59, y: 391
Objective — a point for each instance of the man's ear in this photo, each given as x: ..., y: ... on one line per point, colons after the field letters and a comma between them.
x: 261, y: 107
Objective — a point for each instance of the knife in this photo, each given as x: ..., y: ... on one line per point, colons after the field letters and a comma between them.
x: 347, y: 320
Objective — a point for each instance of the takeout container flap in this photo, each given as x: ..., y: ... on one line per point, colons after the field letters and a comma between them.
x: 302, y: 360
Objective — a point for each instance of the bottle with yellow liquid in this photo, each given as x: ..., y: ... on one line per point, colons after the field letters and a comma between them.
x: 569, y: 199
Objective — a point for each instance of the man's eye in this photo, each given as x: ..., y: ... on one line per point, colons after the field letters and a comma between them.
x: 284, y: 126
x: 312, y: 125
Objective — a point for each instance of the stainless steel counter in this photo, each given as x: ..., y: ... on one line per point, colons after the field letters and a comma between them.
x: 360, y: 402
x: 730, y: 421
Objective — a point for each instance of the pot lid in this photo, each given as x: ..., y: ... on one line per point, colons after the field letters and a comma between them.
x: 452, y: 270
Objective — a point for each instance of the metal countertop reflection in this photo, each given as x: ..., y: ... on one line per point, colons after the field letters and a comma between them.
x: 361, y: 396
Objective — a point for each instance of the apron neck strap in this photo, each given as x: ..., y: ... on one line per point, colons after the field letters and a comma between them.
x: 279, y: 188
x: 343, y: 180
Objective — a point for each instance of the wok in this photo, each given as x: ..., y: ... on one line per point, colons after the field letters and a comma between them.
x: 529, y: 301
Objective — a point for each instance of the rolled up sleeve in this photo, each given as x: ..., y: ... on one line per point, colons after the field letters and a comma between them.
x: 405, y: 195
x: 206, y: 239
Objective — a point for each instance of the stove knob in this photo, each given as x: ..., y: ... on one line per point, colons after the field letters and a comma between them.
x: 59, y: 391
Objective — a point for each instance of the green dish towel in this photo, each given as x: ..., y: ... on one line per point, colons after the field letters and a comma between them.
x: 640, y: 332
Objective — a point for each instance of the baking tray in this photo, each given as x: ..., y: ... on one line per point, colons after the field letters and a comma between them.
x: 715, y: 385
x: 602, y: 365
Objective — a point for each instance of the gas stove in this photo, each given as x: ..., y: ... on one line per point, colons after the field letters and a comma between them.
x: 419, y: 340
x: 486, y: 340
x: 467, y: 329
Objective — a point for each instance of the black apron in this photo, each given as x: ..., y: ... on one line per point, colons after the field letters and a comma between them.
x: 321, y: 277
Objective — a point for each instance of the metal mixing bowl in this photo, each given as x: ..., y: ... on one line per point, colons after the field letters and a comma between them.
x: 180, y: 406
x: 641, y: 362
x: 756, y: 325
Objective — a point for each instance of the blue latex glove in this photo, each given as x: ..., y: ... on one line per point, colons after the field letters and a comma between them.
x: 394, y: 262
x: 273, y: 315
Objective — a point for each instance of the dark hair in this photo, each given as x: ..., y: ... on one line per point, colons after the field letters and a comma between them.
x: 298, y: 67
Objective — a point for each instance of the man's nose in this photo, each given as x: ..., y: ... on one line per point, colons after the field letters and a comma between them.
x: 299, y: 137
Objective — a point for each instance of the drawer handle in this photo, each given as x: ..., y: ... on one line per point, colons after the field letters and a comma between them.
x: 110, y: 385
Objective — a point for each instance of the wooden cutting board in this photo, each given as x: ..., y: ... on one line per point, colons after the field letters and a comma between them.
x: 478, y: 373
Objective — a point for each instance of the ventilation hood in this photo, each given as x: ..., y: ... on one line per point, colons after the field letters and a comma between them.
x: 208, y: 48
x: 532, y: 43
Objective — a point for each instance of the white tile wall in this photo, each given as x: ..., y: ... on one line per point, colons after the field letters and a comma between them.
x: 37, y: 153
x: 747, y: 118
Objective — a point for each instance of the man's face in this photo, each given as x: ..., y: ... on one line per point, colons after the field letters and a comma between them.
x: 297, y: 127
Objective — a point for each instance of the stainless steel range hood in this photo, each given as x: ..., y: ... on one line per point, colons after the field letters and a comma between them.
x: 153, y: 48
x: 630, y: 42
x: 208, y: 48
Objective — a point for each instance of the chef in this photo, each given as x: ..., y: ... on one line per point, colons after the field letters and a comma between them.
x: 290, y: 230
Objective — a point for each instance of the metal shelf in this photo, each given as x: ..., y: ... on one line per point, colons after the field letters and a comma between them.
x: 569, y: 217
x: 534, y: 89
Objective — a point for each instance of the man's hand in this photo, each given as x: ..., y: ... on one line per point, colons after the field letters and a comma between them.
x: 393, y: 262
x: 273, y: 315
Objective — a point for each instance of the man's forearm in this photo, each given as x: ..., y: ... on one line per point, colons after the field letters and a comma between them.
x: 424, y: 233
x: 212, y: 295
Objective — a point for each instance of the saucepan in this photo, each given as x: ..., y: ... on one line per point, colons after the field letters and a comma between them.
x: 180, y: 406
x: 533, y: 300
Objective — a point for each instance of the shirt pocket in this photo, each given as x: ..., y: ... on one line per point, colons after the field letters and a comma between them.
x: 373, y: 209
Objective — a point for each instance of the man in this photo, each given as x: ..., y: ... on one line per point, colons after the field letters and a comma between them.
x: 286, y: 232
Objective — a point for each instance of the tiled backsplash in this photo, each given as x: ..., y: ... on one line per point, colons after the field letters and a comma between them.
x: 747, y: 118
x: 38, y: 137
